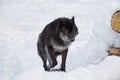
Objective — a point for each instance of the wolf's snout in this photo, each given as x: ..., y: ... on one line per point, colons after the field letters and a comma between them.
x: 72, y: 39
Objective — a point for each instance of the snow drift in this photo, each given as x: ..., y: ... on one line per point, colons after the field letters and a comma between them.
x: 106, y: 70
x: 22, y: 21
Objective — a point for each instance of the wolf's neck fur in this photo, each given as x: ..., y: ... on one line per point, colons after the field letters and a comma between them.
x: 61, y: 45
x: 64, y: 38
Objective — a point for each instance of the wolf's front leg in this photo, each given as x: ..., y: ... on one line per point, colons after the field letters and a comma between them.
x: 64, y: 56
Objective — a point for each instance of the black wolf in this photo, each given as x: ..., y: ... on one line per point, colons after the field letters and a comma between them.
x: 55, y: 40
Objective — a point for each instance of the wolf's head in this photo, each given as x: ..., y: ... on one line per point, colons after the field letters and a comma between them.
x: 67, y: 29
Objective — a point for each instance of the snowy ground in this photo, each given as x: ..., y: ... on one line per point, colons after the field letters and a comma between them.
x: 22, y: 20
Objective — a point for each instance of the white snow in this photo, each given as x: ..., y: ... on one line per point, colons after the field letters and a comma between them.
x: 22, y: 20
x: 106, y: 70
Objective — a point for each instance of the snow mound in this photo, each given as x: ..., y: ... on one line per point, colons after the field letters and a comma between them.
x: 22, y: 20
x: 89, y: 61
x: 106, y: 70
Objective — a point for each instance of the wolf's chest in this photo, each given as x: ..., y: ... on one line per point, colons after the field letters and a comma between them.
x: 59, y: 48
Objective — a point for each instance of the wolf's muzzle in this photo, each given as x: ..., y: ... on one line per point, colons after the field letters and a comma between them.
x: 72, y: 39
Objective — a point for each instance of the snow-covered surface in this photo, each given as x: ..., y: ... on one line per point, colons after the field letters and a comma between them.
x: 22, y: 20
x: 106, y: 70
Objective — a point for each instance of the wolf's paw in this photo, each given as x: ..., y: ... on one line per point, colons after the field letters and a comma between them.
x: 53, y: 70
x: 62, y: 69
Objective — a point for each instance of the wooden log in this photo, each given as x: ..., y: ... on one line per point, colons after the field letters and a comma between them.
x: 115, y: 21
x: 114, y: 51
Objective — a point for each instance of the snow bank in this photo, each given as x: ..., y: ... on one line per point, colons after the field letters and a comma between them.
x: 102, y: 38
x: 21, y: 22
x: 106, y: 70
x: 81, y: 59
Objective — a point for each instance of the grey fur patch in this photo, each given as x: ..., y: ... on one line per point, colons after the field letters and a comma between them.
x: 49, y: 60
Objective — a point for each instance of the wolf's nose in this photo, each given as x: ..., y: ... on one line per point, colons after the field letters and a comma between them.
x: 72, y: 39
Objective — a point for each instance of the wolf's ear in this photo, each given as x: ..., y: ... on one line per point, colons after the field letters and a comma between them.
x: 73, y: 19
